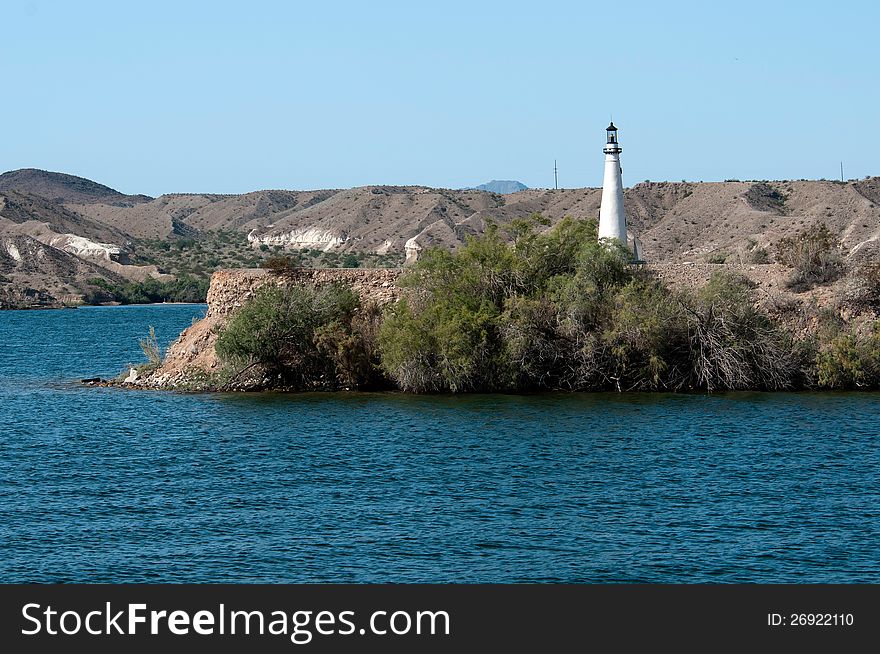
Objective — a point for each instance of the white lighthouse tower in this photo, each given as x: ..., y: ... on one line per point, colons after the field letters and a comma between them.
x: 612, y: 216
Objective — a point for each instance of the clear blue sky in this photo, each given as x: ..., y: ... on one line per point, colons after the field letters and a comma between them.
x: 156, y: 97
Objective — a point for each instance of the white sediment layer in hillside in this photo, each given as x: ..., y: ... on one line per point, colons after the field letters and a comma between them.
x: 301, y: 239
x: 13, y: 250
x: 83, y: 247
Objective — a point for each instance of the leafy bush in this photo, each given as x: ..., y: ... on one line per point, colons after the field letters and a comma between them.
x: 301, y: 337
x: 814, y: 253
x: 353, y: 349
x: 648, y: 338
x: 351, y: 261
x: 473, y: 318
x: 847, y: 361
x: 561, y: 310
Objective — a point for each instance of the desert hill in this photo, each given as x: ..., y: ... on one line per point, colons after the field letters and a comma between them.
x: 702, y: 221
x: 187, y: 215
x: 31, y: 212
x: 49, y: 251
x: 710, y: 222
x: 33, y: 274
x: 672, y: 220
x: 61, y: 187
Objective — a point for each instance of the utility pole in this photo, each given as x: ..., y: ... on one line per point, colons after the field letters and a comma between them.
x: 555, y: 176
x: 841, y: 171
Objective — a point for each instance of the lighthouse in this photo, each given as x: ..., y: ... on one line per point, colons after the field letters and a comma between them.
x: 612, y: 216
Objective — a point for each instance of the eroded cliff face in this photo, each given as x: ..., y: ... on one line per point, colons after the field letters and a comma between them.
x: 191, y: 359
x: 230, y: 289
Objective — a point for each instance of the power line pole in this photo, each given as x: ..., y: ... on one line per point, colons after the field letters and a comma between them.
x: 555, y: 176
x: 841, y: 171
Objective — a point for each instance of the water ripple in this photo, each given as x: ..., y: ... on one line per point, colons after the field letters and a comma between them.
x: 103, y: 485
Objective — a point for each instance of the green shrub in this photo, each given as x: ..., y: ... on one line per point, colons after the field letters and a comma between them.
x: 839, y: 364
x: 442, y: 346
x: 351, y: 261
x: 487, y: 318
x: 299, y: 337
x: 646, y: 338
x: 561, y: 310
x: 353, y: 348
x: 847, y: 361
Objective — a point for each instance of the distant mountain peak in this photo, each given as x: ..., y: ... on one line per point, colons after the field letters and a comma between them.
x: 502, y: 186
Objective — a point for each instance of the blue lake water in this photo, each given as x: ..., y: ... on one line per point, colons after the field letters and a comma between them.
x: 109, y: 485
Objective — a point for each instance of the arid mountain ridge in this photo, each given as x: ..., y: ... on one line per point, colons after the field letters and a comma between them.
x: 56, y: 217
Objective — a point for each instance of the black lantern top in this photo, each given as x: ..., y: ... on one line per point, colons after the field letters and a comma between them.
x: 612, y: 133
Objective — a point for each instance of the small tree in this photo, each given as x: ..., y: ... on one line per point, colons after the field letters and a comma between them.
x: 351, y: 261
x: 283, y: 264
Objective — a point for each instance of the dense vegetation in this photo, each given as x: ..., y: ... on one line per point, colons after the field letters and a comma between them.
x: 844, y: 359
x: 526, y: 311
x: 563, y: 311
x: 302, y: 337
x: 184, y: 288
